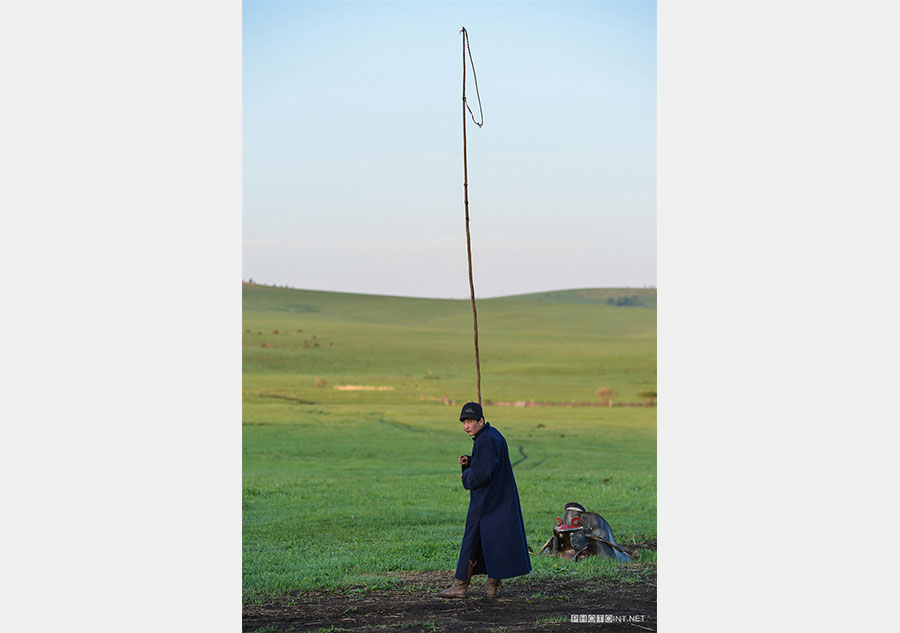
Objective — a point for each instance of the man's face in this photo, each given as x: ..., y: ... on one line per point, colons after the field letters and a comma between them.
x: 471, y: 427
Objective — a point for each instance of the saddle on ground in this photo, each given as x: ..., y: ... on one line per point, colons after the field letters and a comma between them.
x: 579, y: 533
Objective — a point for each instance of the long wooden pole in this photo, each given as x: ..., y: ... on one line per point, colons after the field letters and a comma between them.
x: 468, y: 236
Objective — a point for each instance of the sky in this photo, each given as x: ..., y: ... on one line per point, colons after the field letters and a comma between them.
x: 352, y: 146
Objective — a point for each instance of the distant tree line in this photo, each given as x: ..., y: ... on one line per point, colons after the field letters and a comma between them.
x: 251, y: 281
x: 633, y: 300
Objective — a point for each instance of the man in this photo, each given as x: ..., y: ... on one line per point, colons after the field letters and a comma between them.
x: 494, y: 540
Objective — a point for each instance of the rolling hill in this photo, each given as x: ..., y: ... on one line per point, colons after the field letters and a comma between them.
x: 555, y: 346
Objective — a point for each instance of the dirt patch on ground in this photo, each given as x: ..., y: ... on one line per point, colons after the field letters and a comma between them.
x: 413, y: 606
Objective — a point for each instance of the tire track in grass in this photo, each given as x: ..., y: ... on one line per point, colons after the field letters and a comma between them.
x: 288, y: 398
x: 532, y: 464
x: 399, y: 425
x: 523, y: 454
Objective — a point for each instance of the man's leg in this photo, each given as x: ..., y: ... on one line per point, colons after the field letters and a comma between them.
x: 460, y: 586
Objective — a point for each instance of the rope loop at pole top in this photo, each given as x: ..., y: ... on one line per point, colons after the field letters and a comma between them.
x: 465, y: 35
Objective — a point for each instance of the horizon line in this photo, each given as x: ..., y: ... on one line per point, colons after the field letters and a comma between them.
x: 468, y: 298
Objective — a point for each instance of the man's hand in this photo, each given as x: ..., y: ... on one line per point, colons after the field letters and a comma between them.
x: 464, y: 460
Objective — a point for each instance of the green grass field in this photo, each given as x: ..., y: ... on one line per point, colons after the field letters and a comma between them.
x: 343, y: 485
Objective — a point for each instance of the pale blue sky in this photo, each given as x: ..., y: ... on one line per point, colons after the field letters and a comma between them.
x: 353, y: 146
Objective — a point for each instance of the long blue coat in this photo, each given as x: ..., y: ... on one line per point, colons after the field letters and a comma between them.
x: 495, y: 532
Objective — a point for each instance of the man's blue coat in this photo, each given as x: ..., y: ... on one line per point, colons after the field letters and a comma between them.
x: 495, y: 516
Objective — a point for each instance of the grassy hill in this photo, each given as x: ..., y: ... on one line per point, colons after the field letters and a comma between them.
x: 619, y: 297
x: 557, y: 350
x: 342, y: 485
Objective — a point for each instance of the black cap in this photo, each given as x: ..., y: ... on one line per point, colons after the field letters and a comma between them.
x: 471, y: 411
